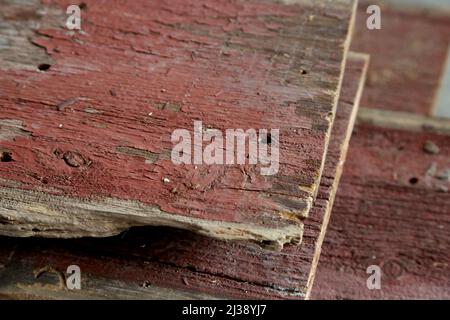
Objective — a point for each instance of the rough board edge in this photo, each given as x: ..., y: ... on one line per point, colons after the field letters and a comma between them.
x: 343, y: 154
x: 347, y: 43
x: 109, y: 217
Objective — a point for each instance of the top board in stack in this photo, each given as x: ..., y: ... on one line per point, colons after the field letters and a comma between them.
x: 86, y: 132
x: 163, y: 263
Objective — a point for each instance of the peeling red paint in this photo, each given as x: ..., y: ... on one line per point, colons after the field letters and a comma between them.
x: 179, y: 52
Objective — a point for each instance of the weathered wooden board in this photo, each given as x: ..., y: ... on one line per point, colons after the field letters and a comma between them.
x: 87, y: 136
x: 392, y: 210
x: 408, y: 57
x: 186, y: 262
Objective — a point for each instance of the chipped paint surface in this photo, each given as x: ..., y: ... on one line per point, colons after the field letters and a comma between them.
x: 179, y: 260
x: 137, y: 72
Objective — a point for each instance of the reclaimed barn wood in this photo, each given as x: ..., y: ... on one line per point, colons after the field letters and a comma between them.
x: 392, y: 210
x: 87, y: 116
x: 408, y: 53
x: 142, y: 261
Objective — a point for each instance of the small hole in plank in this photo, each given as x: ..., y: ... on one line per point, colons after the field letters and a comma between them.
x: 44, y: 66
x: 83, y: 6
x: 303, y: 72
x: 6, y: 156
x: 413, y: 180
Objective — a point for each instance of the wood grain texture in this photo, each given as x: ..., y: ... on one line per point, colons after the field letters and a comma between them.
x: 97, y: 121
x: 392, y: 210
x: 184, y: 261
x: 408, y: 57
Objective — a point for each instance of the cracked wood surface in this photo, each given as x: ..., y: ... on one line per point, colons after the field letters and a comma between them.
x: 140, y: 262
x: 97, y: 117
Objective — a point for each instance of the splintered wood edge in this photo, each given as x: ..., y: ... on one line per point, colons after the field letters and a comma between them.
x: 347, y: 43
x: 343, y: 153
x: 107, y: 217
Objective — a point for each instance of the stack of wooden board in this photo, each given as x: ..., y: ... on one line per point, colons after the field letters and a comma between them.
x: 86, y: 144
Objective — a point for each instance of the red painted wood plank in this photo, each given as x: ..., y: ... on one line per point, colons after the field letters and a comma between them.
x: 184, y: 261
x: 408, y: 57
x: 392, y: 210
x: 96, y: 124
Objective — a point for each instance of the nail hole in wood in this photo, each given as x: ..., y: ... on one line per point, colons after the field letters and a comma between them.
x: 413, y: 180
x: 6, y: 156
x: 44, y: 66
